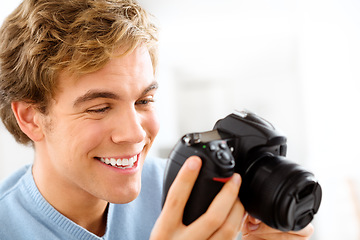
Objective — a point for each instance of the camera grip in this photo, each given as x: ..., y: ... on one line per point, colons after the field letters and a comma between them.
x: 217, y: 167
x: 203, y: 193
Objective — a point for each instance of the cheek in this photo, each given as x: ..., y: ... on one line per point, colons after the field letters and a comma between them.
x: 90, y: 135
x: 152, y: 125
x: 79, y: 139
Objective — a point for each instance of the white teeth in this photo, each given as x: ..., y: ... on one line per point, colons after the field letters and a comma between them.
x: 120, y: 163
x: 125, y: 162
x: 113, y: 161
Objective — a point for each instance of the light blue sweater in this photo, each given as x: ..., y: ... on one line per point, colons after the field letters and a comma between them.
x: 25, y: 214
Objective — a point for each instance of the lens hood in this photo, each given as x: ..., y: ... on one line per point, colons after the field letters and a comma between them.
x: 287, y: 202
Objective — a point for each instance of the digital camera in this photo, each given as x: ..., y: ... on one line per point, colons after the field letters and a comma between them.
x: 280, y: 193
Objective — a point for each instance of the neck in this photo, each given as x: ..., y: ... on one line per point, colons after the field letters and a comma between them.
x: 79, y: 206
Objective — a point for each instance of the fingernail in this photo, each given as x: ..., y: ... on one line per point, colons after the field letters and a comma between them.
x: 236, y: 178
x: 254, y: 220
x: 257, y: 221
x: 193, y: 164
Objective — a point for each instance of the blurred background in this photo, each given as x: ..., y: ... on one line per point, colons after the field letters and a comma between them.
x: 294, y: 62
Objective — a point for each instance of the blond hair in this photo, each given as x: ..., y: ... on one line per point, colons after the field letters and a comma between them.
x: 41, y: 38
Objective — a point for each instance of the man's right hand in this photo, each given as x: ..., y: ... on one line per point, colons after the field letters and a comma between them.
x: 222, y: 220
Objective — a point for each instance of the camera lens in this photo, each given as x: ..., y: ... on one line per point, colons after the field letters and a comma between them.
x: 280, y: 193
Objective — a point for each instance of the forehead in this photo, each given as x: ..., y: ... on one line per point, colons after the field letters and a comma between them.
x: 136, y: 64
x: 130, y: 72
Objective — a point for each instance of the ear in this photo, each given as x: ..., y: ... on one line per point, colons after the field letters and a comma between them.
x: 28, y: 119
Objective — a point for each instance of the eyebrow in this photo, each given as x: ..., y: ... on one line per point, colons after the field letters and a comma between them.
x: 153, y: 86
x: 94, y: 94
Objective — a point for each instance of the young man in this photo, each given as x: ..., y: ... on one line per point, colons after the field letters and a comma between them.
x: 77, y: 82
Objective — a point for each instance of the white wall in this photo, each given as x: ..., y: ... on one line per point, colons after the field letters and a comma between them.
x: 295, y: 62
x: 330, y: 59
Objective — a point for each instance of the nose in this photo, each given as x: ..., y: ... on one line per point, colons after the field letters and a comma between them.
x: 128, y: 127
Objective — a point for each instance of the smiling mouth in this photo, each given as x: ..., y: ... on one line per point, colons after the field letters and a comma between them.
x: 122, y: 163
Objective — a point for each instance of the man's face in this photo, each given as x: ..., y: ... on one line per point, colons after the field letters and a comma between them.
x: 100, y: 128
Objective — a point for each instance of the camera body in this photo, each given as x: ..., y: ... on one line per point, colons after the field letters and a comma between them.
x: 275, y: 190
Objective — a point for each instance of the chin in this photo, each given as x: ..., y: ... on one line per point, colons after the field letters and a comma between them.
x: 125, y: 195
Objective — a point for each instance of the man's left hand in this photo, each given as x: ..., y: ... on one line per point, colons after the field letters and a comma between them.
x: 254, y: 229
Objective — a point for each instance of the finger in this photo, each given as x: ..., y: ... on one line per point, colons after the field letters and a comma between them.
x: 231, y: 228
x: 264, y: 229
x: 218, y: 210
x: 250, y: 224
x: 268, y: 233
x: 180, y: 189
x: 307, y: 231
x: 274, y: 236
x: 253, y: 220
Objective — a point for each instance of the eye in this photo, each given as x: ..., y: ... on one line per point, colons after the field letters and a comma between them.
x: 145, y: 101
x: 98, y: 110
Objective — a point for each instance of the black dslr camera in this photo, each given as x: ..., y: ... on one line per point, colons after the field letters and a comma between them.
x: 280, y: 193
